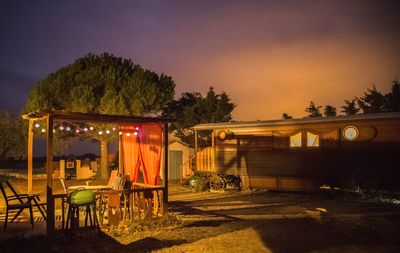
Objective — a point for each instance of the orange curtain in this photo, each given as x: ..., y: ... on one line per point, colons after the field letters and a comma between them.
x: 131, y: 152
x: 150, y: 136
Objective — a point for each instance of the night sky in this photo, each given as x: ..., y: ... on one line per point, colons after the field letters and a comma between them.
x: 269, y: 56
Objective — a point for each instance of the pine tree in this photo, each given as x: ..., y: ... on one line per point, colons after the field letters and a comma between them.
x: 313, y: 111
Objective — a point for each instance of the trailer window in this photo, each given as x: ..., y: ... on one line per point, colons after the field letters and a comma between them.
x: 295, y: 140
x: 312, y: 140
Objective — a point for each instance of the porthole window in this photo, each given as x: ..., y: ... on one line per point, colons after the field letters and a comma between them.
x: 350, y: 133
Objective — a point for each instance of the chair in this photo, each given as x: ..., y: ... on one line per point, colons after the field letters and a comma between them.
x: 41, y: 206
x: 24, y: 201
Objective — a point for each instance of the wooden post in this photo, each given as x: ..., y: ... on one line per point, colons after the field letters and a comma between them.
x: 165, y: 192
x: 30, y: 156
x: 213, y: 138
x: 213, y: 151
x: 62, y: 169
x: 120, y: 161
x: 195, y: 142
x: 49, y: 162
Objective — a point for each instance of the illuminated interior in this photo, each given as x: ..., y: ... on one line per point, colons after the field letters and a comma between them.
x: 295, y: 140
x: 312, y: 140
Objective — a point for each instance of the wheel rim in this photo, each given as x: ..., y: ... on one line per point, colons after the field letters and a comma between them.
x: 217, y: 183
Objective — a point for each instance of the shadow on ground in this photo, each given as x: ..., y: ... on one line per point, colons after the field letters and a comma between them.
x: 265, y: 222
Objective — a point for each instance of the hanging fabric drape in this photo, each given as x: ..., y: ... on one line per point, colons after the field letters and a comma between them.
x: 150, y: 138
x: 131, y: 151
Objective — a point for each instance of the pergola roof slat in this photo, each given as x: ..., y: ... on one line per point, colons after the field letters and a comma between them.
x: 92, y: 117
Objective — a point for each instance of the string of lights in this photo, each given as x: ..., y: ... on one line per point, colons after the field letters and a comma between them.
x: 88, y: 130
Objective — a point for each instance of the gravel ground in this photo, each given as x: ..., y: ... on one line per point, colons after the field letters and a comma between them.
x: 247, y: 221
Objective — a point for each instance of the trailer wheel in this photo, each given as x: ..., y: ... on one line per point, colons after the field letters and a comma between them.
x: 217, y: 183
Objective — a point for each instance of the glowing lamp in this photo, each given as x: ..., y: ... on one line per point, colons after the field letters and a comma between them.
x: 128, y: 134
x: 85, y: 129
x: 37, y: 125
x: 91, y: 128
x: 120, y: 133
x: 43, y: 130
x: 100, y: 132
x: 68, y: 128
x: 225, y: 135
x: 107, y: 131
x: 61, y: 128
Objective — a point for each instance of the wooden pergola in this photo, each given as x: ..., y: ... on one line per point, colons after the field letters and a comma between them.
x: 49, y: 116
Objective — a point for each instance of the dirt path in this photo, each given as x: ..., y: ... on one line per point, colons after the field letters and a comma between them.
x: 246, y: 222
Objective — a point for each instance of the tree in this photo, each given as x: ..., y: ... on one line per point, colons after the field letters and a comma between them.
x: 313, y: 111
x: 102, y: 84
x: 373, y: 101
x: 192, y: 109
x: 329, y: 111
x: 350, y: 107
x: 393, y: 97
x: 286, y: 116
x: 13, y: 137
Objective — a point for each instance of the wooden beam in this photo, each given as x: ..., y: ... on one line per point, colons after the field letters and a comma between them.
x: 120, y: 160
x: 213, y: 138
x: 195, y: 141
x: 30, y: 156
x: 49, y: 190
x: 93, y: 117
x: 165, y: 191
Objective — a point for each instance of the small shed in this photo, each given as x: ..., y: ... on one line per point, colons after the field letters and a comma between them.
x: 179, y: 155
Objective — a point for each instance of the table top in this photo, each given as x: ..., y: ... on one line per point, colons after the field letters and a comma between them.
x: 89, y: 187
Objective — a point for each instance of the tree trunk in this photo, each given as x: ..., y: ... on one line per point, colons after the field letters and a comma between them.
x: 104, y: 159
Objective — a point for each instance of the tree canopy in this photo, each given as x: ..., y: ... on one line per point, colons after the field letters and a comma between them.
x: 350, y: 107
x: 286, y: 116
x: 372, y: 101
x: 12, y: 137
x: 313, y: 110
x: 330, y: 111
x: 194, y: 108
x: 102, y: 84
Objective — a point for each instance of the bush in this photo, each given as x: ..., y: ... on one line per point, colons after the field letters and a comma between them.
x: 198, y: 183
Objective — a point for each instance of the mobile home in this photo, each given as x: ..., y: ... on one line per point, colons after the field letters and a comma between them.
x: 303, y: 154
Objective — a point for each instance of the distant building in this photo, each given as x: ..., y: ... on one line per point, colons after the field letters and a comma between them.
x: 179, y: 154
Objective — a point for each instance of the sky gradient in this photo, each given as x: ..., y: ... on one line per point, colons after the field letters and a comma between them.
x: 269, y: 56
